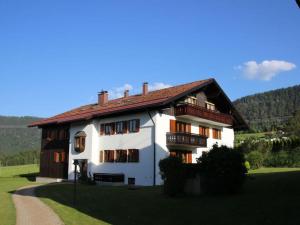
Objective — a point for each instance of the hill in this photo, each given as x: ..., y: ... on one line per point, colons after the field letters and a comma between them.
x: 269, y: 110
x: 16, y: 137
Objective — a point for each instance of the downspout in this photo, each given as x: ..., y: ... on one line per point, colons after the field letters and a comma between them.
x: 154, y: 151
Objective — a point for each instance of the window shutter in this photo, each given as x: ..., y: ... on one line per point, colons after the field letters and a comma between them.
x: 189, y: 157
x: 125, y: 127
x: 137, y: 124
x: 56, y: 157
x: 173, y: 126
x: 173, y: 154
x: 102, y: 129
x: 62, y: 156
x: 189, y: 128
x: 112, y: 156
x: 101, y: 156
x: 113, y: 128
x: 136, y: 155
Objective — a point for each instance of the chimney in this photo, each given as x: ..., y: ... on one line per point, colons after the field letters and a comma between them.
x: 145, y: 88
x: 126, y: 93
x: 102, y: 97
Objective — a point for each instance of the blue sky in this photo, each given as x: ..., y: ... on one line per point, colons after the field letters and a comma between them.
x: 56, y: 55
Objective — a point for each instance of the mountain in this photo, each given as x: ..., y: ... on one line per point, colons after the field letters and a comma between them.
x: 16, y: 137
x: 269, y: 110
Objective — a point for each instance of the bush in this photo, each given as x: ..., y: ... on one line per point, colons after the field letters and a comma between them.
x: 222, y: 170
x: 255, y: 159
x: 172, y: 173
x: 247, y: 165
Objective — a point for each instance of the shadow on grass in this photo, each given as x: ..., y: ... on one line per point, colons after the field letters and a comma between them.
x: 268, y: 198
x: 28, y: 176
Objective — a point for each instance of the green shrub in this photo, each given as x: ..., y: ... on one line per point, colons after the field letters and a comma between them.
x: 255, y: 159
x: 172, y: 173
x: 247, y: 165
x: 222, y: 170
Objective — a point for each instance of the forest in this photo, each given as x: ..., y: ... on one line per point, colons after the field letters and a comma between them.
x: 269, y: 110
x: 18, y: 143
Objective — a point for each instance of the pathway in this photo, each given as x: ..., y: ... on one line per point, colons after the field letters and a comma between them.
x: 30, y: 210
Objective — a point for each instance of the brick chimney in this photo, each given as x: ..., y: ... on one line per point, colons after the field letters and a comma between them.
x: 145, y: 88
x: 102, y: 97
x: 126, y: 93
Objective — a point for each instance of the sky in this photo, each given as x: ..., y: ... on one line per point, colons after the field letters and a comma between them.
x: 57, y: 55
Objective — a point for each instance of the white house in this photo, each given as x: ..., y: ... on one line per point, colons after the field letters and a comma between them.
x: 123, y: 140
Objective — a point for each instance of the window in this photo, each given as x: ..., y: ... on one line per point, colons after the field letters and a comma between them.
x: 191, y: 100
x: 210, y: 106
x: 204, y: 131
x: 216, y: 133
x: 183, y: 127
x: 121, y: 155
x: 185, y: 156
x: 63, y: 134
x: 79, y: 144
x: 133, y: 155
x: 133, y: 126
x: 59, y: 157
x: 109, y: 156
x: 121, y: 127
x: 109, y: 129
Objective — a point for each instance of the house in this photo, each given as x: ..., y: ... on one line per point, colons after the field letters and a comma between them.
x: 123, y: 140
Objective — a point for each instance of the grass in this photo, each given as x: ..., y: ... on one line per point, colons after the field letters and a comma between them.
x: 270, y: 196
x: 11, y: 178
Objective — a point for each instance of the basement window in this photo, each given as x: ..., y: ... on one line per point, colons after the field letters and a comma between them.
x: 79, y: 144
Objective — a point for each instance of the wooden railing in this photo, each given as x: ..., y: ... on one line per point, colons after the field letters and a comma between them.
x: 198, y: 111
x: 186, y: 139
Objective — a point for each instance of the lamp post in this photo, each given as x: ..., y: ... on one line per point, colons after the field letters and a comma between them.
x: 76, y: 163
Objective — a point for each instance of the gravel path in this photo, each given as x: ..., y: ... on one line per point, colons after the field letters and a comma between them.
x: 32, y: 211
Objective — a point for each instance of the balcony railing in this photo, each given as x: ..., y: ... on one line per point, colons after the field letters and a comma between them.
x: 198, y: 111
x: 186, y: 139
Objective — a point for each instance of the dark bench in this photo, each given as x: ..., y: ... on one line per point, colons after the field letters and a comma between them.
x: 109, y: 177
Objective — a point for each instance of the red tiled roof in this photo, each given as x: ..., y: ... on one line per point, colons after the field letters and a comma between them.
x: 134, y: 102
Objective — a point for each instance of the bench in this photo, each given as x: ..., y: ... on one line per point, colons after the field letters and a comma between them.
x: 109, y: 177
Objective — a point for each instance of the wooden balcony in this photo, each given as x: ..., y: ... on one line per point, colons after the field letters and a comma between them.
x: 186, y: 139
x: 198, y: 111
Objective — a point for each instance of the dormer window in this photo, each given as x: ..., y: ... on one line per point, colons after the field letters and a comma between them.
x: 210, y: 106
x: 79, y: 144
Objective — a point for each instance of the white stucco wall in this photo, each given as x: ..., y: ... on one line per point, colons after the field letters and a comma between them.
x: 141, y: 171
x: 143, y: 140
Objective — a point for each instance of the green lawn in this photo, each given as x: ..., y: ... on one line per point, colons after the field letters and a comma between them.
x: 271, y: 196
x: 11, y: 178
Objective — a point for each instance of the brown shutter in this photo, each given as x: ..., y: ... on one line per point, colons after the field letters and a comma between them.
x: 113, y: 128
x: 137, y: 125
x: 189, y: 157
x: 173, y: 126
x: 101, y: 156
x: 102, y: 129
x: 56, y: 157
x: 188, y: 128
x: 136, y: 151
x: 173, y: 154
x: 63, y: 156
x: 124, y: 127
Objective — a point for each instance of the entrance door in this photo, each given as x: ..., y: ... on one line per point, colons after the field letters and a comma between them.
x: 83, y: 165
x: 186, y: 156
